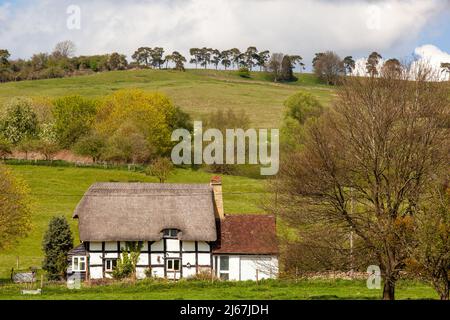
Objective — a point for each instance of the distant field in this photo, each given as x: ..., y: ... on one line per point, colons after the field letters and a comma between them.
x: 196, y: 290
x: 57, y: 190
x: 196, y: 91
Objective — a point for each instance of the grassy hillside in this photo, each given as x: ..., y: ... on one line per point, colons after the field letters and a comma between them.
x: 57, y: 190
x: 195, y: 91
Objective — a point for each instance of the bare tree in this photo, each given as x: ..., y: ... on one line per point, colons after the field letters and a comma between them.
x: 64, y: 49
x: 160, y: 168
x: 274, y: 65
x: 328, y: 67
x: 392, y: 67
x: 377, y: 148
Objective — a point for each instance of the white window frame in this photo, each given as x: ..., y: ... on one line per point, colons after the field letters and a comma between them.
x: 76, y: 266
x: 170, y: 233
x: 106, y: 264
x: 221, y: 271
x: 173, y: 264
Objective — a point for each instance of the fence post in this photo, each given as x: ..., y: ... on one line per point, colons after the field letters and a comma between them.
x: 257, y: 276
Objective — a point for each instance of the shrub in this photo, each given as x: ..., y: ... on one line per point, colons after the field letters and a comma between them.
x: 202, y: 275
x: 126, y: 265
x: 302, y: 106
x: 244, y: 72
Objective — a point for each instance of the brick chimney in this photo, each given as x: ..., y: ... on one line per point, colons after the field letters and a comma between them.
x: 216, y: 184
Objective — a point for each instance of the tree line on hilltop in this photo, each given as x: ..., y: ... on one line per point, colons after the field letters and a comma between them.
x: 61, y: 62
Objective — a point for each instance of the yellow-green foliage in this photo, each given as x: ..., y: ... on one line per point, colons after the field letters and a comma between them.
x: 149, y: 114
x: 15, y: 208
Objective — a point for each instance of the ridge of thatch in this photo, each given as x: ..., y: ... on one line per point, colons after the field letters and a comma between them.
x: 140, y: 211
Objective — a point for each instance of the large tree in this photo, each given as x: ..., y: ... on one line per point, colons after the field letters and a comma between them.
x: 143, y: 56
x: 156, y: 55
x: 446, y: 67
x: 74, y: 116
x: 19, y: 121
x: 4, y: 56
x: 392, y: 67
x: 4, y: 65
x: 137, y: 114
x: 328, y: 67
x: 366, y: 163
x: 216, y: 57
x: 226, y: 58
x: 349, y: 64
x: 262, y: 58
x: 296, y: 60
x: 430, y: 252
x: 117, y: 61
x: 15, y: 208
x: 205, y: 54
x: 57, y: 242
x: 196, y: 56
x: 250, y: 57
x: 287, y: 73
x: 274, y: 66
x: 64, y: 49
x: 179, y: 60
x: 372, y: 63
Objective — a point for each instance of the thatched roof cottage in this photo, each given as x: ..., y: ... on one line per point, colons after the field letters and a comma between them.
x: 182, y: 230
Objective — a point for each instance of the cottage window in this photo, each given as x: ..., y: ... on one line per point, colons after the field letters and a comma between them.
x: 224, y: 267
x: 110, y: 264
x: 78, y: 263
x: 173, y: 264
x: 170, y: 233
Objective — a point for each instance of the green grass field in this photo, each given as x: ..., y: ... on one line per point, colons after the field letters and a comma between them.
x: 201, y: 290
x: 198, y: 92
x: 57, y: 190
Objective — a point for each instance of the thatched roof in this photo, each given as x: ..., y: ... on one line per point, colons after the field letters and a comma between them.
x: 140, y: 211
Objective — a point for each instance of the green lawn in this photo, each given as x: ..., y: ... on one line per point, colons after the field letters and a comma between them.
x: 57, y: 190
x: 200, y: 290
x: 196, y: 91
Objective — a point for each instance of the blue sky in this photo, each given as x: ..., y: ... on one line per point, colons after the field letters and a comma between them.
x: 395, y: 28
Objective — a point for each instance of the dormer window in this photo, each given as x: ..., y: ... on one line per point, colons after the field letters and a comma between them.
x: 170, y: 233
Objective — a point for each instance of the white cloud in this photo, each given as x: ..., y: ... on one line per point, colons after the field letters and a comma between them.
x: 427, y: 54
x: 291, y: 26
x: 432, y: 54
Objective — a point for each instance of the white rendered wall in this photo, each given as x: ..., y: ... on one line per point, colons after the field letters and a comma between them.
x: 244, y: 267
